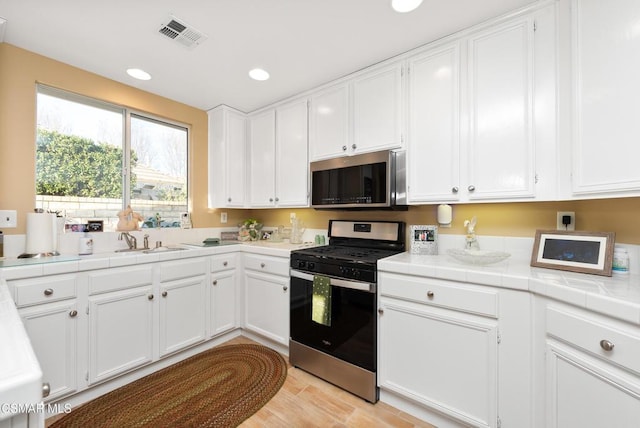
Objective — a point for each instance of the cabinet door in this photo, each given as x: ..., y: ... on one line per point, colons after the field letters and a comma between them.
x: 222, y: 315
x: 449, y: 361
x: 120, y: 332
x: 292, y: 164
x: 227, y: 158
x: 267, y: 305
x: 262, y: 154
x: 606, y: 84
x: 329, y: 123
x: 377, y: 110
x: 53, y: 331
x: 434, y: 125
x: 500, y: 153
x: 236, y: 159
x: 182, y: 307
x: 584, y: 392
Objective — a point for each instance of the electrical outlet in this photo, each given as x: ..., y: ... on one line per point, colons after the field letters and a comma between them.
x: 223, y: 217
x: 8, y: 219
x: 572, y: 220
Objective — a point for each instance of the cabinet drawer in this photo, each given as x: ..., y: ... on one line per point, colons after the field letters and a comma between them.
x: 119, y: 279
x: 595, y: 337
x: 223, y: 262
x: 267, y: 264
x: 34, y: 291
x: 445, y: 294
x: 178, y: 269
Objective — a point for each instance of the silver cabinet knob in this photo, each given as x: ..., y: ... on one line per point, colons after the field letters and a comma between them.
x: 353, y: 146
x: 606, y: 345
x: 48, y: 292
x: 285, y: 288
x: 262, y: 265
x: 228, y: 199
x: 150, y: 297
x: 225, y: 263
x: 344, y: 148
x: 215, y: 282
x: 46, y: 389
x: 270, y: 199
x: 164, y: 294
x: 73, y: 313
x: 380, y: 311
x: 471, y: 188
x: 277, y: 199
x: 430, y: 294
x: 454, y: 189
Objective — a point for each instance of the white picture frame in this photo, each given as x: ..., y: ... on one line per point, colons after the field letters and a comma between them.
x: 424, y: 239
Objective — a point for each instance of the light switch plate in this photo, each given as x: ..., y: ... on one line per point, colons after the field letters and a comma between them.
x: 8, y: 219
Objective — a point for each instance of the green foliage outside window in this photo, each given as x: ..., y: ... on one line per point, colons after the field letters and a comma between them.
x: 68, y: 165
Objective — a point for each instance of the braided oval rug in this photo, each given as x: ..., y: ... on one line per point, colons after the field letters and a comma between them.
x: 220, y: 387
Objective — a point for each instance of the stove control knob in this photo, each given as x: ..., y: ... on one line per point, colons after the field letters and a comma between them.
x: 311, y: 265
x: 301, y: 263
x: 356, y: 273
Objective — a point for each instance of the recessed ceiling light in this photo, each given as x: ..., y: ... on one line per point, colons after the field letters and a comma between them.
x: 138, y: 74
x: 258, y: 74
x: 403, y: 6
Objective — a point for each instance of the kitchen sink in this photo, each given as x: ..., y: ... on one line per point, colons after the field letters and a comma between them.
x: 149, y: 250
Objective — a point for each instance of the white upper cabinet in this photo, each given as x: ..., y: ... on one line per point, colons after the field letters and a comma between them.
x: 434, y: 125
x: 262, y: 154
x: 329, y: 123
x: 278, y: 156
x: 482, y: 114
x: 227, y: 158
x: 292, y: 159
x: 377, y: 110
x: 361, y: 115
x: 500, y: 145
x: 605, y: 85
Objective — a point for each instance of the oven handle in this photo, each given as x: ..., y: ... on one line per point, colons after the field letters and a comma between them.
x: 362, y: 286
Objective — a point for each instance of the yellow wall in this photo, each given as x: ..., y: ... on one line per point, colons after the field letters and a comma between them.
x: 20, y: 70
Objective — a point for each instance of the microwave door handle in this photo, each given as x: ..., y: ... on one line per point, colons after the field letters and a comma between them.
x: 355, y: 285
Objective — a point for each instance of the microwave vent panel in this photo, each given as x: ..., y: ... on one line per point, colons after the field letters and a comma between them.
x: 181, y: 32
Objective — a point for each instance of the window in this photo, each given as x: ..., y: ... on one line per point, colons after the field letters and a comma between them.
x: 93, y: 159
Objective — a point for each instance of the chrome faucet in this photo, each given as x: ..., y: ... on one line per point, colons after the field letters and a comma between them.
x: 132, y: 242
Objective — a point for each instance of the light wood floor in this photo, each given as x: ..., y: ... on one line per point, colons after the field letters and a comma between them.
x: 306, y: 401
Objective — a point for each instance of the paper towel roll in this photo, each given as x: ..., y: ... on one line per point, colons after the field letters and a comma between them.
x: 40, y: 231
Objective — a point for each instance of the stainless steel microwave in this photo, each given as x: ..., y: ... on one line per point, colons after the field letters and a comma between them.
x: 371, y: 180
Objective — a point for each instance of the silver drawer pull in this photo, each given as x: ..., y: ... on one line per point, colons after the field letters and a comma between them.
x: 150, y: 297
x: 48, y: 292
x: 73, y: 313
x: 164, y: 294
x: 430, y: 294
x: 46, y: 390
x: 285, y: 288
x: 606, y: 345
x: 215, y: 282
x: 381, y: 311
x: 262, y: 265
x: 225, y: 263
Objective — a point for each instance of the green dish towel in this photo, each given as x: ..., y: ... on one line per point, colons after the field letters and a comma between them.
x: 321, y: 303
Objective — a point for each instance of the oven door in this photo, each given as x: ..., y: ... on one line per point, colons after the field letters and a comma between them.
x: 352, y: 334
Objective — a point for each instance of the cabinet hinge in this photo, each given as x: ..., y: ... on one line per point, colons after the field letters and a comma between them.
x: 401, y: 71
x: 535, y: 179
x: 535, y: 25
x: 499, y: 338
x: 87, y: 310
x: 86, y: 376
x: 499, y: 423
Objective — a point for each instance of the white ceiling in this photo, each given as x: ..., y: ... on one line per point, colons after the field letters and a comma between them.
x: 302, y: 43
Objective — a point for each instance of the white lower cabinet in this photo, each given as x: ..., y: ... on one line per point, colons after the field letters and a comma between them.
x: 441, y: 346
x: 120, y: 318
x: 181, y: 304
x: 266, y: 282
x: 49, y: 311
x: 222, y: 294
x: 592, y: 370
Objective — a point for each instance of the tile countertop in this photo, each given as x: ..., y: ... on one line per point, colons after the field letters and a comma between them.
x: 617, y: 296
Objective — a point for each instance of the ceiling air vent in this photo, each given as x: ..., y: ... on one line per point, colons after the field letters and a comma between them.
x: 181, y: 32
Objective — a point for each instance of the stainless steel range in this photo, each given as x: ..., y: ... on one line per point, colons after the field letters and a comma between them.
x: 333, y: 319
